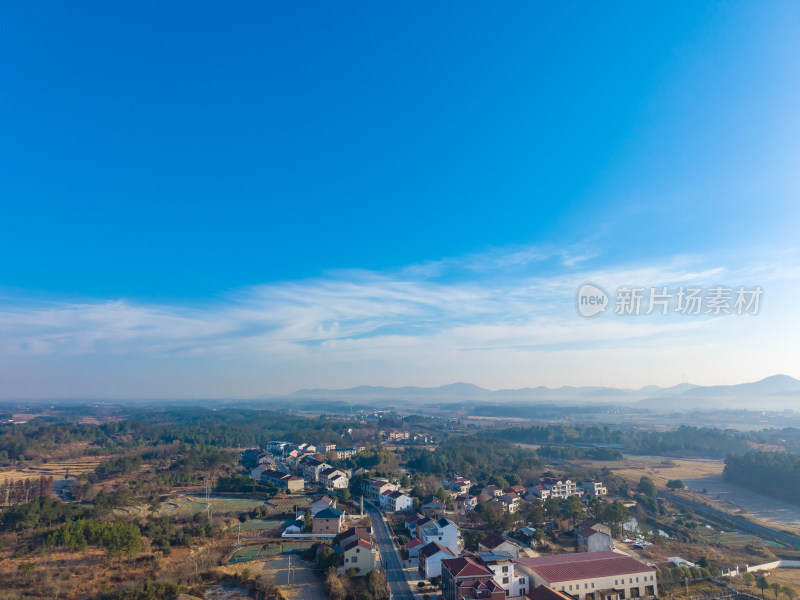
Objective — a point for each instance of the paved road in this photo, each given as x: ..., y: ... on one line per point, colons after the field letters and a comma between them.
x: 390, y: 555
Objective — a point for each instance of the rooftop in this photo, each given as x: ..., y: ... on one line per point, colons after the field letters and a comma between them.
x: 464, y: 567
x: 587, y: 565
x: 329, y: 513
x: 432, y: 548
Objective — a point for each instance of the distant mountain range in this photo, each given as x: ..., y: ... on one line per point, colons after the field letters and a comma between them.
x: 775, y: 392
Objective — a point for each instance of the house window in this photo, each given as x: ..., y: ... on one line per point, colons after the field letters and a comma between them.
x: 505, y: 569
x: 505, y: 579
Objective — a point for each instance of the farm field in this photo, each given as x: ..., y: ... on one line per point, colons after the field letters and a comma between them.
x: 784, y: 576
x: 660, y: 469
x: 221, y: 504
x: 57, y: 469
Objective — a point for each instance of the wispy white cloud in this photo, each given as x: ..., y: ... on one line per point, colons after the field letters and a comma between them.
x: 368, y: 325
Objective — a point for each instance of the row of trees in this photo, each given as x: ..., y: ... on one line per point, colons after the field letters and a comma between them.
x: 23, y: 491
x: 475, y: 457
x: 773, y: 473
x: 684, y: 441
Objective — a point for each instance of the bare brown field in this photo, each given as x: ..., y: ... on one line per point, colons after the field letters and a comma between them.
x: 56, y: 468
x: 790, y: 577
x: 660, y: 469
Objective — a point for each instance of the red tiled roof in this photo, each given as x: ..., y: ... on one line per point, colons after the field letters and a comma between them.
x: 588, y: 532
x: 492, y: 541
x: 588, y: 565
x: 361, y: 532
x: 484, y: 584
x: 465, y: 567
x: 432, y: 548
x: 414, y: 543
x: 358, y: 542
x: 547, y: 593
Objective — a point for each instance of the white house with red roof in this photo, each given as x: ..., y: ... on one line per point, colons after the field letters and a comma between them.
x: 413, y: 547
x: 466, y: 578
x: 395, y: 501
x: 430, y: 559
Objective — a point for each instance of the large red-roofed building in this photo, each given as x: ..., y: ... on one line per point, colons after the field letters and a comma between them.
x: 591, y: 575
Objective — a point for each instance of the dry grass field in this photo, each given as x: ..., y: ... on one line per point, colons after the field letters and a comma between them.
x: 56, y: 468
x: 790, y: 577
x: 661, y: 469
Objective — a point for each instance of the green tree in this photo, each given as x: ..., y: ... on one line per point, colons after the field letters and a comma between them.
x: 492, y: 515
x: 789, y: 592
x: 308, y: 521
x: 762, y: 584
x: 573, y: 509
x: 647, y: 487
x: 748, y: 579
x: 776, y: 588
x: 327, y: 559
x: 675, y: 484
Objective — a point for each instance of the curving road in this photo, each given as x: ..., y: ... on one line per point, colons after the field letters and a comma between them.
x: 390, y: 555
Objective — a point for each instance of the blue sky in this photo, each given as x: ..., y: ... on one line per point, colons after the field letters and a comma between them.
x: 198, y: 201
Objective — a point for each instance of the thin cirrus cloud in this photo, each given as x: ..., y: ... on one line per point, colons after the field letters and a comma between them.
x: 479, y: 315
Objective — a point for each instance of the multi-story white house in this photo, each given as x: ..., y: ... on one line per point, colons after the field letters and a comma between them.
x: 430, y: 559
x: 277, y: 447
x: 372, y: 489
x: 591, y: 575
x: 458, y: 484
x: 592, y: 487
x: 311, y: 468
x: 466, y: 502
x: 333, y: 479
x: 558, y: 487
x: 466, y: 578
x: 395, y: 501
x: 343, y: 453
x: 445, y: 532
x: 504, y: 572
x: 510, y: 502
